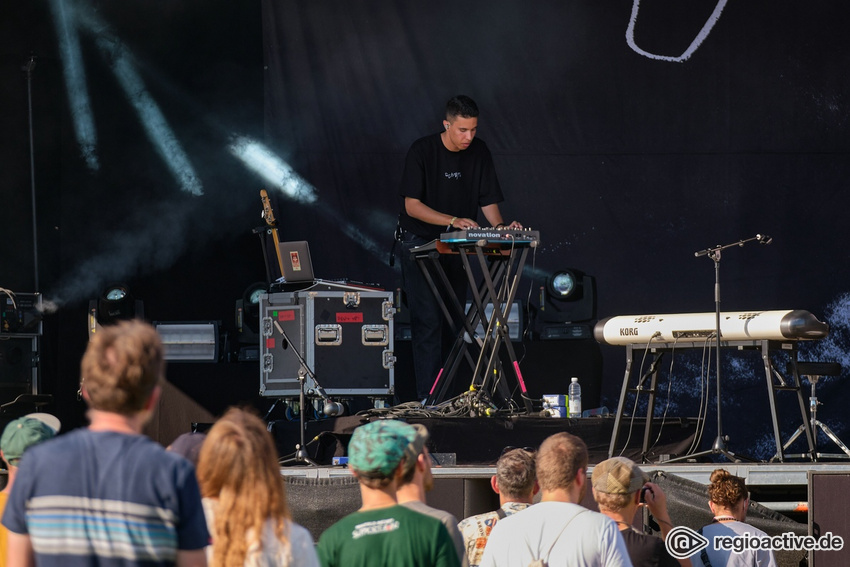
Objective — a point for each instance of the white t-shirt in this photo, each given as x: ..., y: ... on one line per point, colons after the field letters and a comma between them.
x: 727, y: 558
x: 591, y: 540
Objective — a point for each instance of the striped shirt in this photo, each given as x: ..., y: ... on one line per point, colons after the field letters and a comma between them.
x: 106, y: 498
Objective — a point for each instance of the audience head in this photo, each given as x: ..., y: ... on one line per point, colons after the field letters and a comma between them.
x: 238, y: 468
x: 516, y: 473
x: 239, y: 456
x: 122, y: 367
x: 378, y: 448
x: 615, y: 482
x: 417, y: 437
x: 24, y: 432
x: 188, y: 445
x: 728, y: 493
x: 559, y: 460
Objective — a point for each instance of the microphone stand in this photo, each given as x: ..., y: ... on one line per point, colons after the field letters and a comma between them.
x: 28, y: 68
x: 301, y: 455
x: 719, y: 447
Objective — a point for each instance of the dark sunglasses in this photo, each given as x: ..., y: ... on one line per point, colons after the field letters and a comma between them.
x: 508, y: 449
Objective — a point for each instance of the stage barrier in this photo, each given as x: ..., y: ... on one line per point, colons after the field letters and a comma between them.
x: 316, y: 503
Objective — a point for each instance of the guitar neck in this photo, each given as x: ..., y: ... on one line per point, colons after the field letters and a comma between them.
x: 268, y: 214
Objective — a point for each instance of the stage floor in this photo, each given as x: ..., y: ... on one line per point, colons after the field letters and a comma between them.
x: 479, y: 441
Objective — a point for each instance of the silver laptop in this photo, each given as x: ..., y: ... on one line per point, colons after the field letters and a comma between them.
x: 295, y: 261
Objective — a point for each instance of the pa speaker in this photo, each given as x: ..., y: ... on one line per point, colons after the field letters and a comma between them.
x: 18, y: 366
x: 828, y: 518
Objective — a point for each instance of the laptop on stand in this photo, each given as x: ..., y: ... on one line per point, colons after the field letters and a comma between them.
x: 295, y: 262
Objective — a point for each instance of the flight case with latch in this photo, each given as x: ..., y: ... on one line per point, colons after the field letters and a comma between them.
x: 343, y: 333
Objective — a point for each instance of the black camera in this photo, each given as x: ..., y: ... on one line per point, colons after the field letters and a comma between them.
x: 643, y: 492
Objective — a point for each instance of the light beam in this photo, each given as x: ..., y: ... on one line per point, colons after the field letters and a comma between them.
x: 274, y: 170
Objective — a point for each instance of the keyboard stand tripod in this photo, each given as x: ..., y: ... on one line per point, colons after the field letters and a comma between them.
x: 505, y: 268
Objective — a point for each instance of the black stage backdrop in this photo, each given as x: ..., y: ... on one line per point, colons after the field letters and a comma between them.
x: 631, y: 134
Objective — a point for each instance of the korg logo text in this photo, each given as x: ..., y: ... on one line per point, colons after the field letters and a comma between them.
x: 628, y: 332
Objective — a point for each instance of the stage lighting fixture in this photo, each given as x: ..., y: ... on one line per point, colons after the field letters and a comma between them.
x: 248, y: 321
x: 115, y: 304
x: 569, y: 297
x: 567, y: 302
x: 194, y: 341
x: 248, y: 312
x: 563, y: 284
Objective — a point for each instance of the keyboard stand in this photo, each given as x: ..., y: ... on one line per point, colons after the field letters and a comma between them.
x: 499, y: 286
x: 774, y: 379
x: 427, y: 258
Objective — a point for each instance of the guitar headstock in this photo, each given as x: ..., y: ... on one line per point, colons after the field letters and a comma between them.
x: 268, y: 214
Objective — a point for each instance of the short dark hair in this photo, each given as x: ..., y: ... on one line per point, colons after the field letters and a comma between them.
x: 377, y: 479
x: 516, y: 472
x: 461, y: 105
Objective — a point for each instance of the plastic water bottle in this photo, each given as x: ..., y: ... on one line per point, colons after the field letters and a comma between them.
x: 575, y: 398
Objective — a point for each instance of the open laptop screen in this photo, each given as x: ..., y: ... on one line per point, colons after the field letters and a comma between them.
x: 296, y: 262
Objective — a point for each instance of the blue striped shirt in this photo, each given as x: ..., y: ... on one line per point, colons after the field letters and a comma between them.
x: 103, y: 498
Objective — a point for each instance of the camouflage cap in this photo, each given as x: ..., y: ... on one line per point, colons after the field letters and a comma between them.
x: 379, y: 446
x: 618, y: 475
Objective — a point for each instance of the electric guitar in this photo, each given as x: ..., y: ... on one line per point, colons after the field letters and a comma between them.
x: 268, y: 215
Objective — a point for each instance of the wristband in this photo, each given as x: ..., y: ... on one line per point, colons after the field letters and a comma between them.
x: 452, y: 222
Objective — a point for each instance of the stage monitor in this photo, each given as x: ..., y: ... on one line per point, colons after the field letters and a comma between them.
x: 514, y: 318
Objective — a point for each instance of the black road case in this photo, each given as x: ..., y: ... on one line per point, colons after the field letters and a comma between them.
x: 343, y: 333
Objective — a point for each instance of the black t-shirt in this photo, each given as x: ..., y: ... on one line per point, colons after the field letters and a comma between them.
x: 454, y: 183
x: 646, y: 550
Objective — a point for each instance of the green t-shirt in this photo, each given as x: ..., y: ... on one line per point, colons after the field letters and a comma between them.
x: 394, y: 536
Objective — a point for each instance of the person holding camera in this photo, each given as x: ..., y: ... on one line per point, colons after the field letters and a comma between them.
x: 620, y: 487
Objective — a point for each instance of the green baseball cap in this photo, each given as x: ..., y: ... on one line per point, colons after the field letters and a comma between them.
x: 25, y: 432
